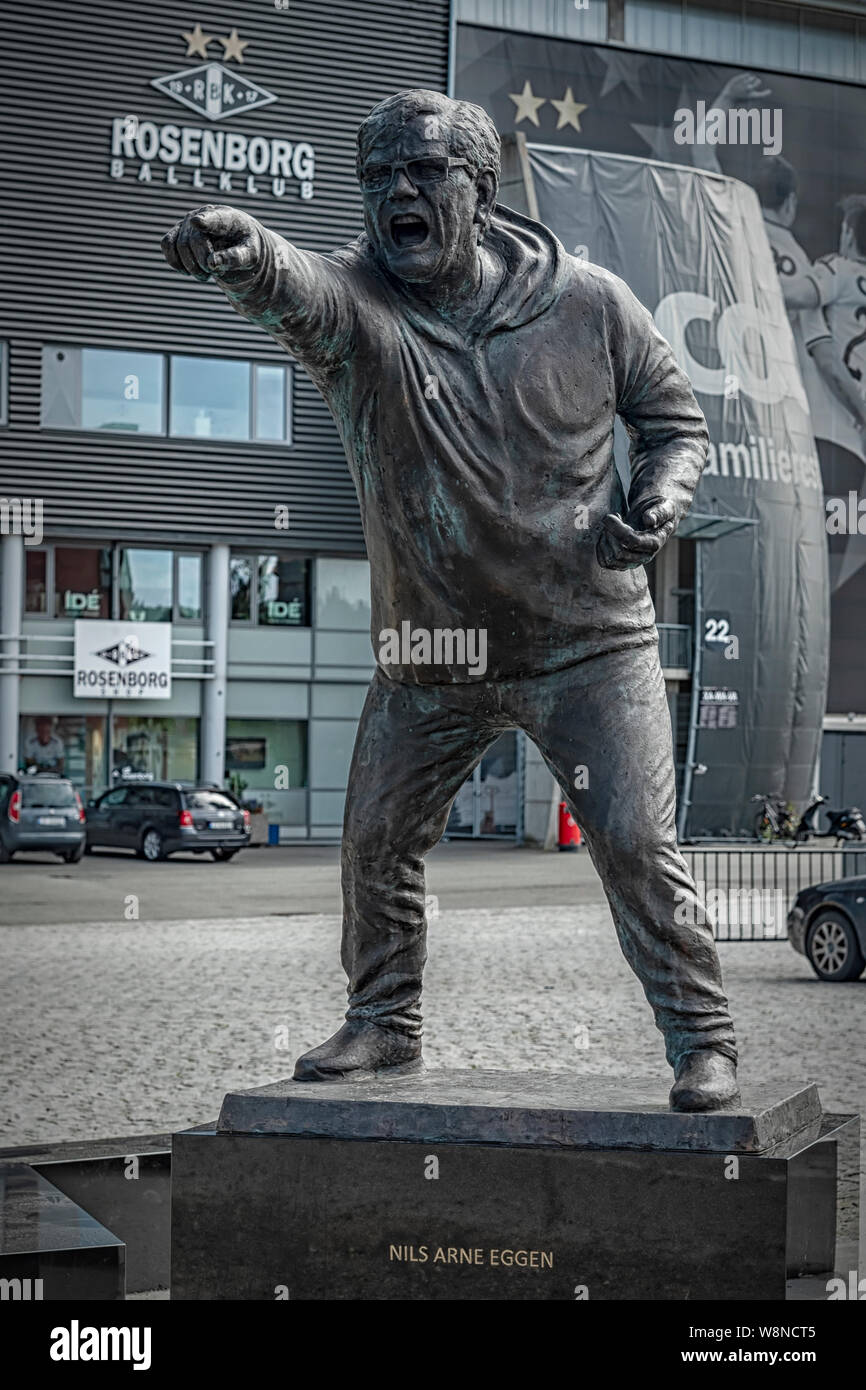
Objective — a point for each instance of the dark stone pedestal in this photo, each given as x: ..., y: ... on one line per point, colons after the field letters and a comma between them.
x: 50, y: 1248
x: 474, y: 1185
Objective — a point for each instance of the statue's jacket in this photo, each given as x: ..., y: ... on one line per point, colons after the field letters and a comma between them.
x: 483, y: 458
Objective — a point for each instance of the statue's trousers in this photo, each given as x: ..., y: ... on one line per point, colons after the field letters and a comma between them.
x: 604, y: 729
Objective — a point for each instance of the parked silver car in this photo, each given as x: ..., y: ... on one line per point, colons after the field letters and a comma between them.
x: 40, y: 811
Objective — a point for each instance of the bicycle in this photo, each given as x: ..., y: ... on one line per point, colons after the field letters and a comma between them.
x: 775, y: 820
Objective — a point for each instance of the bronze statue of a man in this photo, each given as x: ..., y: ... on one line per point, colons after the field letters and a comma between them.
x: 475, y: 370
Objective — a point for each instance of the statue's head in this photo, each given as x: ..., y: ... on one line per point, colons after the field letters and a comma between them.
x: 425, y: 220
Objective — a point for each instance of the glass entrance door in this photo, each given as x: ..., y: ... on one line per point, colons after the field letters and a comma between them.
x: 488, y: 802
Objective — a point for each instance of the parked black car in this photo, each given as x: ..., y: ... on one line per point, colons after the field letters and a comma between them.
x: 158, y: 818
x: 827, y: 924
x: 40, y: 811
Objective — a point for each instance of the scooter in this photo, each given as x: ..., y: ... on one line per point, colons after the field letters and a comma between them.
x: 847, y: 825
x: 806, y: 829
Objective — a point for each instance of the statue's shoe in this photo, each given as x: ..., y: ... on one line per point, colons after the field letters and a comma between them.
x: 705, y: 1080
x: 360, y: 1051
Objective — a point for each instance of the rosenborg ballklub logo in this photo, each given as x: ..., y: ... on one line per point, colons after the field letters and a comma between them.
x: 124, y: 653
x: 210, y: 157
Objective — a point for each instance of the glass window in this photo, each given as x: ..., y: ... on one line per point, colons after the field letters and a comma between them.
x: 246, y: 754
x: 210, y: 398
x: 115, y: 798
x: 140, y: 796
x: 258, y: 749
x: 82, y: 582
x: 145, y: 585
x: 122, y: 391
x: 36, y: 581
x: 189, y: 587
x: 240, y: 581
x: 42, y: 747
x: 71, y: 744
x: 61, y: 388
x: 343, y: 594
x: 266, y: 769
x: 164, y: 748
x: 209, y: 801
x: 271, y: 415
x: 48, y: 793
x: 282, y: 591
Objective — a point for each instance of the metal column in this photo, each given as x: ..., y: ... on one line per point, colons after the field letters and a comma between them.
x: 11, y: 608
x: 213, y: 732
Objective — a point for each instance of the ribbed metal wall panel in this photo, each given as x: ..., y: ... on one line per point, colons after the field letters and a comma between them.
x: 83, y: 263
x: 824, y: 39
x: 560, y: 19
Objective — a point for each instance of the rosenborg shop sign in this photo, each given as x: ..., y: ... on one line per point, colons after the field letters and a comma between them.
x: 122, y: 660
x: 208, y: 157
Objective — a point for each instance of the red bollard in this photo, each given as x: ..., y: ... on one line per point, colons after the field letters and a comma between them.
x: 569, y: 830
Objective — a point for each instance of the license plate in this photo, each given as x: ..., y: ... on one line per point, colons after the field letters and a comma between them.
x: 51, y: 820
x: 219, y: 825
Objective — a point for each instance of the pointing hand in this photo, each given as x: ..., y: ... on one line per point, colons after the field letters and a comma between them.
x: 211, y: 241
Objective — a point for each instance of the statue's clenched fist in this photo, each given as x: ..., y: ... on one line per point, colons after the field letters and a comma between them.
x: 624, y: 544
x: 213, y: 240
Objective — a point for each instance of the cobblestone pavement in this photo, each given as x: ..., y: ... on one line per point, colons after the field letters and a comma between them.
x: 134, y: 1027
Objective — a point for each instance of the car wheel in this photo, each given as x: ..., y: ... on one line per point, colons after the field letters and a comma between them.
x: 5, y: 854
x: 222, y: 856
x: 72, y: 856
x: 833, y: 948
x: 88, y: 848
x: 151, y: 845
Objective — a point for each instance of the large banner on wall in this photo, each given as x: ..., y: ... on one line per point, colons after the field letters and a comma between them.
x: 698, y: 257
x: 803, y: 152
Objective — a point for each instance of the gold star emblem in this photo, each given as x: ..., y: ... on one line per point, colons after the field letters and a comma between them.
x: 527, y: 104
x: 234, y: 46
x: 569, y: 110
x: 197, y: 42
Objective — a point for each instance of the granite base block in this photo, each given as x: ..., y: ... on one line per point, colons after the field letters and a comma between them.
x: 400, y: 1195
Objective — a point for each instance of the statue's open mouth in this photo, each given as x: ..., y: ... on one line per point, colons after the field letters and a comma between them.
x: 408, y: 230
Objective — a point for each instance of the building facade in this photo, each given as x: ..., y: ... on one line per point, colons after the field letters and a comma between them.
x: 166, y: 469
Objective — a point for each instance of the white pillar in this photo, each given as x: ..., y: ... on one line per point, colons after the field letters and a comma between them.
x: 11, y: 608
x: 213, y: 734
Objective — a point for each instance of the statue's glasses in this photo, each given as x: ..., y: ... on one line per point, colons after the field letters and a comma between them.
x: 375, y: 178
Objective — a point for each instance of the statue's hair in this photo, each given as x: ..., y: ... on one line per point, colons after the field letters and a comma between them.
x: 471, y: 133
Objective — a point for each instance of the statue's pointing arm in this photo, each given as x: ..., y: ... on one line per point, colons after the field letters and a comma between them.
x: 667, y: 430
x: 302, y: 299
